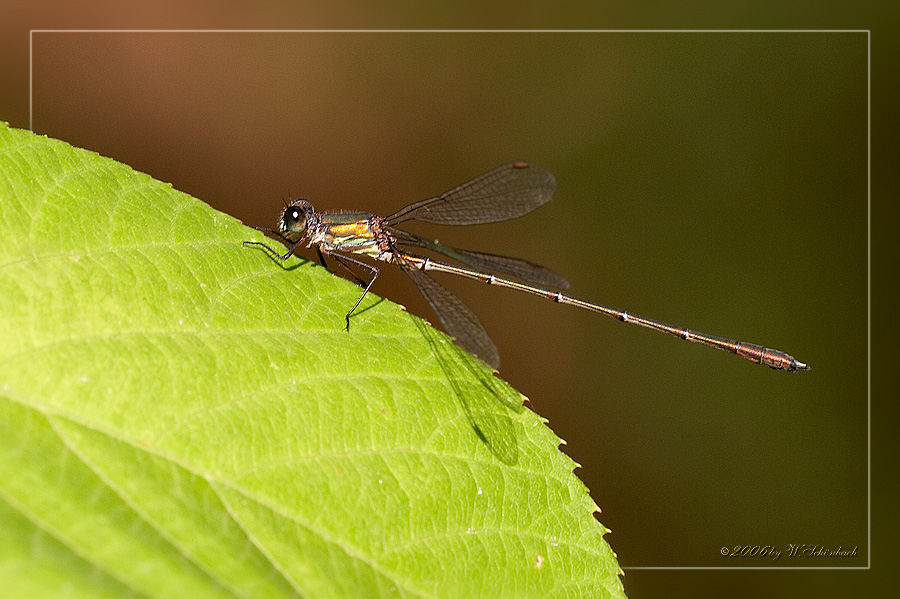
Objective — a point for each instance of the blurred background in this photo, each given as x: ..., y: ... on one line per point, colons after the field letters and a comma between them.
x: 711, y: 180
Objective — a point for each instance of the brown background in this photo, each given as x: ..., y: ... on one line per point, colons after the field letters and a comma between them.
x: 716, y: 181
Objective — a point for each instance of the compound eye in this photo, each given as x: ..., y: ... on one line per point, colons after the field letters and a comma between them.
x: 293, y: 221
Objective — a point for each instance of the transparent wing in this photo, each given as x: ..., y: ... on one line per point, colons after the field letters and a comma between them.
x: 506, y: 192
x: 522, y: 269
x: 459, y: 322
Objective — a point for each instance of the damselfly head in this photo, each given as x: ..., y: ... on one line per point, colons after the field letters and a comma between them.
x: 294, y: 219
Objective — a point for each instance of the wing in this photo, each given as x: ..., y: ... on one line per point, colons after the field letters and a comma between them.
x: 459, y: 322
x: 506, y: 192
x: 521, y: 269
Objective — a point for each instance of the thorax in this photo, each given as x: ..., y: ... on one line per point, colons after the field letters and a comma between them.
x: 353, y: 232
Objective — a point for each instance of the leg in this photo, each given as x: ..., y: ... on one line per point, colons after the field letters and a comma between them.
x: 273, y: 252
x: 342, y: 260
x: 321, y: 257
x: 359, y: 281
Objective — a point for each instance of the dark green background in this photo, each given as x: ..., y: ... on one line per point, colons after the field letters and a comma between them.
x: 713, y: 180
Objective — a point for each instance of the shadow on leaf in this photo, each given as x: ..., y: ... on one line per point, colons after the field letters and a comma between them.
x: 482, y: 396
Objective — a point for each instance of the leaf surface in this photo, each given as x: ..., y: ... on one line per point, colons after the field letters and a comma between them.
x: 181, y: 416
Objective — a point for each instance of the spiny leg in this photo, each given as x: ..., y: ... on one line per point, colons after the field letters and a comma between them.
x: 342, y: 260
x: 285, y: 256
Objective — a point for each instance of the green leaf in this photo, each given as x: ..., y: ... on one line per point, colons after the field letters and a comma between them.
x: 181, y: 416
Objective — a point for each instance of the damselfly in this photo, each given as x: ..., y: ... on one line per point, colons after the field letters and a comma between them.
x: 504, y: 193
